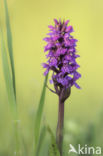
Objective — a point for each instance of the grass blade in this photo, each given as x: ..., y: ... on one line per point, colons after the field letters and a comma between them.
x: 41, y: 139
x: 53, y: 151
x: 7, y: 75
x: 10, y: 46
x: 39, y: 112
x: 10, y: 90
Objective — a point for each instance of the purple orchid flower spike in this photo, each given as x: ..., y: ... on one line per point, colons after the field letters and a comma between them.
x: 61, y: 55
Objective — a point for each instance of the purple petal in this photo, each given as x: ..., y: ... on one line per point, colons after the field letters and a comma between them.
x: 69, y: 29
x: 77, y: 86
x: 56, y: 22
x: 66, y: 22
x: 46, y: 72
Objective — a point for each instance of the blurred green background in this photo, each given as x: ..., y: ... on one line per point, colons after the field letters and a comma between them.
x: 29, y: 23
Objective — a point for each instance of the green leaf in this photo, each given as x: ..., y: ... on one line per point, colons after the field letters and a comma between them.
x: 39, y: 112
x: 45, y: 146
x: 41, y: 139
x: 53, y: 151
x: 7, y: 77
x: 10, y: 46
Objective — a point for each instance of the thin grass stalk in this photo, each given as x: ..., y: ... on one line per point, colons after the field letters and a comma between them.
x: 38, y: 117
x: 10, y: 92
x: 10, y: 50
x: 41, y: 139
x: 10, y: 46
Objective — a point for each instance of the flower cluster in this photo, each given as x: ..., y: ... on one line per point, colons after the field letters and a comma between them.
x: 61, y: 57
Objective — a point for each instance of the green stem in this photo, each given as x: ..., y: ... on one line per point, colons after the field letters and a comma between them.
x: 60, y: 126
